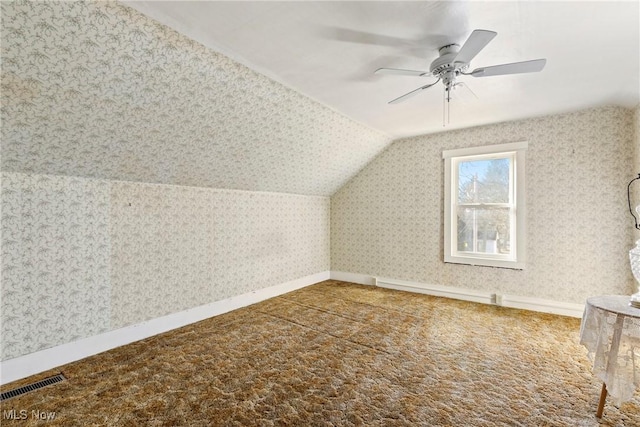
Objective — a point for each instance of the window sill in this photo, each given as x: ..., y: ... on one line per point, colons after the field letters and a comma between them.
x: 485, y: 262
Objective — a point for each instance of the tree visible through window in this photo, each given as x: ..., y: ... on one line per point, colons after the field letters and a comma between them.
x: 483, y: 202
x: 483, y: 206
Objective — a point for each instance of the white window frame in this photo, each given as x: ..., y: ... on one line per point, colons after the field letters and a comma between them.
x: 516, y: 152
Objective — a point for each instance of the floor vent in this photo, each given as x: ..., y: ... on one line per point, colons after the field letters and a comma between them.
x: 31, y: 387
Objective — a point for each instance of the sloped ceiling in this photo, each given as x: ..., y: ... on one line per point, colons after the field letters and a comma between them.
x: 99, y: 90
x: 329, y: 50
x: 105, y: 90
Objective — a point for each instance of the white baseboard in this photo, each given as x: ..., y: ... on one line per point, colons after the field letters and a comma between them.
x: 30, y: 364
x: 485, y: 297
x: 361, y: 279
x: 437, y: 290
x: 542, y: 305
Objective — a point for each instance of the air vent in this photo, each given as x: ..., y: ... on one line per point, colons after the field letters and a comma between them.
x: 31, y: 387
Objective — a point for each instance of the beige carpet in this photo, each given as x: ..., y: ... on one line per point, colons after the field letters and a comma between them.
x: 338, y: 354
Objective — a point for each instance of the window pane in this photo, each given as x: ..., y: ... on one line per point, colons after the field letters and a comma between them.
x: 486, y: 231
x: 483, y: 181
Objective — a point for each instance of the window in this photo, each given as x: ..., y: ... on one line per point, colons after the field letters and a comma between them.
x: 484, y: 209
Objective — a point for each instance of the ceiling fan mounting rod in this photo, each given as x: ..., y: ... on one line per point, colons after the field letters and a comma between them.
x: 448, y: 48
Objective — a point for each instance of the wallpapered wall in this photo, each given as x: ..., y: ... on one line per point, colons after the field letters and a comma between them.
x: 55, y: 261
x: 388, y: 220
x: 83, y: 256
x: 636, y: 163
x: 636, y: 126
x: 96, y: 89
x: 176, y: 247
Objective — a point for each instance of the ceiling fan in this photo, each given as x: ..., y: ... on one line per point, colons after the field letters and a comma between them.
x: 454, y: 62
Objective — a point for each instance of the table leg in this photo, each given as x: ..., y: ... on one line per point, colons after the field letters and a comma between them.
x: 612, y: 360
x: 603, y: 397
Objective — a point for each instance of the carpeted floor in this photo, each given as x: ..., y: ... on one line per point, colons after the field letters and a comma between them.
x: 337, y: 354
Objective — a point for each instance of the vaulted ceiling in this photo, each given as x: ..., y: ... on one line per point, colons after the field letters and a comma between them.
x: 280, y: 96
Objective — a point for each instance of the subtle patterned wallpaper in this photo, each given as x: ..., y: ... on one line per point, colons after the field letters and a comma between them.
x: 83, y: 256
x: 636, y: 127
x: 388, y: 220
x: 178, y: 247
x: 96, y: 89
x: 55, y: 261
x: 636, y: 165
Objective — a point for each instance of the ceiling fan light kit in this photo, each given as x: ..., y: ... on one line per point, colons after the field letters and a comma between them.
x: 453, y: 61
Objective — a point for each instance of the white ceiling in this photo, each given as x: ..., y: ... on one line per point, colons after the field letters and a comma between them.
x: 329, y: 51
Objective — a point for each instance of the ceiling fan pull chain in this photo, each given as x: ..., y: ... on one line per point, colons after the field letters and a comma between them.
x: 444, y: 114
x: 448, y: 105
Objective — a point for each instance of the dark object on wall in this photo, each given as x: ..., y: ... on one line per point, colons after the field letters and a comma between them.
x: 635, y: 218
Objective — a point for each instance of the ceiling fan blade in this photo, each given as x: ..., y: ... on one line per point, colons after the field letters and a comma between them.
x: 474, y: 44
x: 462, y: 92
x: 363, y: 37
x: 400, y: 72
x: 412, y: 93
x: 513, y: 68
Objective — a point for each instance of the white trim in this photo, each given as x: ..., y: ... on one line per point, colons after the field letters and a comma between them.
x: 516, y: 153
x: 542, y: 305
x: 486, y: 149
x: 485, y: 297
x: 362, y: 279
x: 437, y: 290
x: 30, y: 364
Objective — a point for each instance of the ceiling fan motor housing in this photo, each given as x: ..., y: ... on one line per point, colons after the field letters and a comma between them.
x: 445, y: 66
